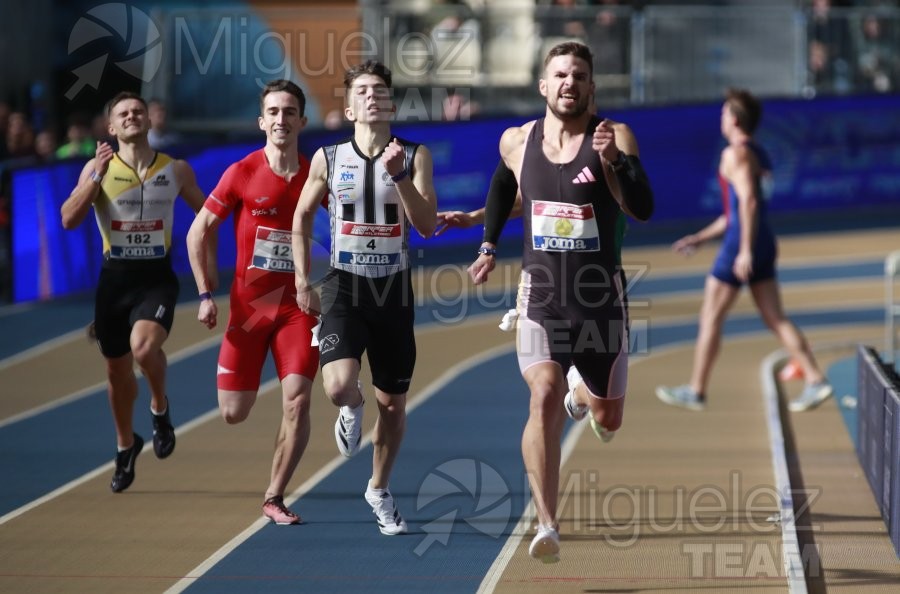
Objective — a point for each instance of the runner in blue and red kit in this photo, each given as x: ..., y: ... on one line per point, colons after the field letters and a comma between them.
x: 747, y: 255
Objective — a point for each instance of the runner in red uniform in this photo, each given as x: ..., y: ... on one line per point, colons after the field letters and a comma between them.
x: 262, y: 191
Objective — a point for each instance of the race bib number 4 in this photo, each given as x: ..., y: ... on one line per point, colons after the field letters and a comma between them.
x: 137, y: 240
x: 272, y: 250
x: 364, y: 244
x: 562, y: 227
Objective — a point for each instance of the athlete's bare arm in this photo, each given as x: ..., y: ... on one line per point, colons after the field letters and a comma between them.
x: 739, y: 168
x: 301, y: 230
x: 78, y: 204
x: 191, y: 193
x: 189, y: 190
x: 417, y: 193
x: 512, y: 147
x: 457, y: 219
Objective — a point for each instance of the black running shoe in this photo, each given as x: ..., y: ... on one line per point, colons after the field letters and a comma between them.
x: 163, y: 434
x: 124, y: 475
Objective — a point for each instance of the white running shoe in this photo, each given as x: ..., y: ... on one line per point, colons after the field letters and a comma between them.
x: 348, y: 429
x: 812, y: 396
x: 576, y: 411
x: 545, y: 545
x: 389, y: 520
x: 683, y: 396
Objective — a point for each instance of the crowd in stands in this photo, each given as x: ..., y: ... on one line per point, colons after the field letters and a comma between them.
x: 853, y: 47
x: 853, y: 51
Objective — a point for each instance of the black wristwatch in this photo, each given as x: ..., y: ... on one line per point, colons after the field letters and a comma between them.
x: 620, y: 162
x: 487, y: 251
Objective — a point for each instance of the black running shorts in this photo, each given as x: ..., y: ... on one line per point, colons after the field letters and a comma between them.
x: 375, y: 315
x: 132, y: 292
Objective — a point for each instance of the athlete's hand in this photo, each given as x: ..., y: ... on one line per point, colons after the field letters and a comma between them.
x: 307, y: 299
x: 604, y: 141
x: 208, y: 313
x: 743, y: 266
x: 102, y: 157
x: 481, y: 267
x: 687, y: 245
x: 392, y: 158
x: 452, y: 219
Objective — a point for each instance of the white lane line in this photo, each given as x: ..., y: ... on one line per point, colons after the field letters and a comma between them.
x: 174, y: 358
x: 429, y: 391
x: 49, y: 345
x: 790, y: 545
x: 42, y: 348
x: 182, y: 429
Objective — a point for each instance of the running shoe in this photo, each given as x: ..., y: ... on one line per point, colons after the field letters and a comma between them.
x: 602, y: 432
x: 389, y: 520
x: 683, y: 396
x: 545, y: 545
x: 576, y: 412
x: 812, y: 396
x: 163, y: 433
x: 791, y: 371
x: 348, y: 429
x: 124, y: 474
x: 275, y: 509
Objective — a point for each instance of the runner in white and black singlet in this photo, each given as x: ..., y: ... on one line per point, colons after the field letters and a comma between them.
x: 377, y: 186
x: 576, y: 175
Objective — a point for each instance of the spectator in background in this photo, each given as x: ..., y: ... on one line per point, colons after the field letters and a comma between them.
x: 334, y: 120
x: 609, y: 38
x: 828, y: 69
x: 45, y: 145
x: 5, y: 111
x: 160, y: 135
x: 100, y: 129
x: 19, y: 136
x: 79, y: 142
x: 562, y: 18
x: 878, y: 61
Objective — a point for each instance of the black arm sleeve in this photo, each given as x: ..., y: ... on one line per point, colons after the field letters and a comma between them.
x: 501, y: 198
x: 636, y: 191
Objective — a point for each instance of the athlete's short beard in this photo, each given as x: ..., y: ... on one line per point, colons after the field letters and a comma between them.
x: 576, y: 113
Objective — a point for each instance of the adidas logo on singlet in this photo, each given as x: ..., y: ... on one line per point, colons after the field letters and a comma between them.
x: 584, y: 177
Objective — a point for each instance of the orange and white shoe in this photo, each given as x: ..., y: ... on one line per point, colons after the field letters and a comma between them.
x: 791, y: 371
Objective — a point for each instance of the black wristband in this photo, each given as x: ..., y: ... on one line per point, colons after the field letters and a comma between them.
x: 205, y: 296
x: 487, y: 251
x: 400, y: 176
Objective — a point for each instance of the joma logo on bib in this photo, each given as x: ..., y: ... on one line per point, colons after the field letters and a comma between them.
x: 137, y: 252
x: 369, y: 259
x: 285, y: 265
x: 559, y: 243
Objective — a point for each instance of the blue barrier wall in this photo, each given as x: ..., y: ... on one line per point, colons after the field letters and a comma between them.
x: 878, y: 442
x: 830, y: 156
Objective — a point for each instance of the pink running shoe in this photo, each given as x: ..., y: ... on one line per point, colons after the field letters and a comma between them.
x: 275, y: 510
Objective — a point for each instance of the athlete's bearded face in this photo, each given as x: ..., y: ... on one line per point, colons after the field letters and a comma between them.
x: 128, y: 120
x: 369, y: 100
x: 281, y: 119
x: 567, y: 86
